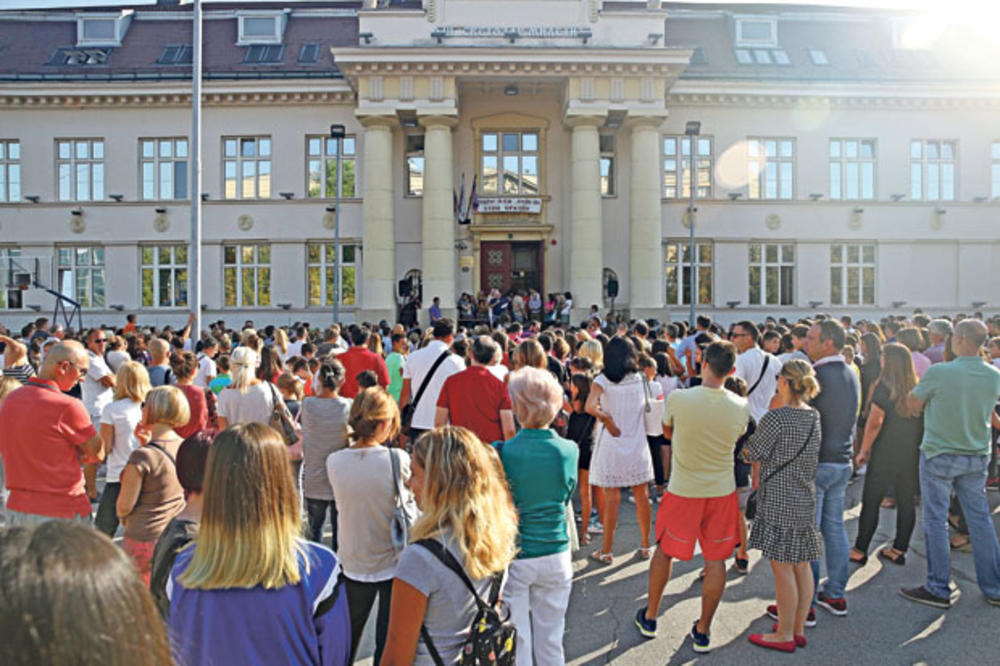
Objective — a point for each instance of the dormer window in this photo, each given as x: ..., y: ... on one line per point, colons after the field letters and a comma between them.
x: 261, y: 28
x: 102, y: 29
x: 756, y: 31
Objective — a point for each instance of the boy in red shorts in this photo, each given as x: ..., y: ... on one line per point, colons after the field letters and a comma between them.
x: 700, y: 504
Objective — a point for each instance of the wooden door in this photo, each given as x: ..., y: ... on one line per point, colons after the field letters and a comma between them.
x: 495, y: 266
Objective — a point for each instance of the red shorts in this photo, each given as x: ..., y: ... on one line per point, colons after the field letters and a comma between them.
x: 712, y: 521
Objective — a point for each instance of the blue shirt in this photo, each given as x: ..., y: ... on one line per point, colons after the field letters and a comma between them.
x: 435, y: 313
x: 305, y: 623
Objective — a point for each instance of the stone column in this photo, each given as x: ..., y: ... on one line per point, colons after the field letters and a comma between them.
x: 437, y: 231
x: 586, y: 261
x: 378, y: 240
x: 646, y: 297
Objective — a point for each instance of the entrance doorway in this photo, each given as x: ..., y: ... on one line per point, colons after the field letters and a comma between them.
x: 511, y: 265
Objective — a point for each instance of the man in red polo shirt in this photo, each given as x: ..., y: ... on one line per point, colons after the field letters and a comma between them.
x: 475, y: 399
x: 359, y: 358
x: 44, y: 437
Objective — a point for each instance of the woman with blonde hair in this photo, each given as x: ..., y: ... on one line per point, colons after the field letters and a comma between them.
x: 251, y: 590
x: 281, y: 343
x: 467, y: 509
x: 247, y: 399
x: 541, y: 470
x: 364, y: 482
x: 150, y: 493
x: 118, y: 421
x: 529, y: 354
x: 891, y: 447
x: 592, y: 351
x: 786, y: 443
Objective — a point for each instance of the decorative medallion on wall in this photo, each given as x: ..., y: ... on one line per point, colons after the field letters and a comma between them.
x: 328, y: 221
x: 937, y: 220
x: 772, y: 221
x: 77, y: 224
x: 854, y: 221
x: 161, y: 222
x: 495, y: 280
x: 244, y: 222
x: 686, y: 217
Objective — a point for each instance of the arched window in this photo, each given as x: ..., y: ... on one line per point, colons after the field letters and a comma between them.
x: 412, y: 286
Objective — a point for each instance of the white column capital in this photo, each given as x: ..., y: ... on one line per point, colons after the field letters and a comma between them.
x: 575, y: 122
x: 438, y: 121
x: 643, y: 122
x: 378, y: 121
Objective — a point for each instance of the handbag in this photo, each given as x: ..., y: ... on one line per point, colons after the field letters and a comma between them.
x: 406, y: 416
x: 751, y: 510
x: 652, y: 415
x: 281, y: 419
x: 404, y: 512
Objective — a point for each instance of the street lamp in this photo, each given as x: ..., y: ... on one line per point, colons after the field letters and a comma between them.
x: 337, y: 132
x: 692, y: 129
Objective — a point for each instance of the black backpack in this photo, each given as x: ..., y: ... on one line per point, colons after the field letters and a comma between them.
x: 492, y: 636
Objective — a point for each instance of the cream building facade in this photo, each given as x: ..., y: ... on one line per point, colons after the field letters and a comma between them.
x: 831, y: 175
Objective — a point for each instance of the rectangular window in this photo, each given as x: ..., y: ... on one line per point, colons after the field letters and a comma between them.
x: 246, y: 275
x: 607, y: 144
x: 676, y: 167
x: 852, y: 274
x: 933, y: 169
x: 246, y: 165
x: 321, y: 270
x: 80, y: 169
x: 10, y: 170
x: 163, y: 168
x: 852, y: 169
x: 10, y: 299
x: 995, y: 171
x: 772, y: 274
x: 771, y: 163
x: 321, y: 166
x: 164, y: 271
x: 678, y: 272
x: 756, y: 31
x: 510, y: 163
x: 414, y: 165
x: 261, y: 27
x: 81, y: 274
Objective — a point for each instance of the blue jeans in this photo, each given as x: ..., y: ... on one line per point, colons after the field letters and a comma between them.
x: 967, y: 476
x: 831, y: 485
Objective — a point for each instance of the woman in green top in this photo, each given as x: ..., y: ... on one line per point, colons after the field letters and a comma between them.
x: 541, y: 470
x: 394, y: 363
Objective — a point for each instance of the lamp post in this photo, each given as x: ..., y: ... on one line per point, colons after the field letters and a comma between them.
x: 194, y: 254
x: 337, y: 132
x: 692, y: 129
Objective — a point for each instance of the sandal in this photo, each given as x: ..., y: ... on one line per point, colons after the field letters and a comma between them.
x: 584, y: 539
x: 646, y: 553
x: 603, y: 558
x: 899, y: 558
x: 961, y: 542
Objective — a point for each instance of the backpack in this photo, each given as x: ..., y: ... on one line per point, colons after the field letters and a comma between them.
x: 492, y: 636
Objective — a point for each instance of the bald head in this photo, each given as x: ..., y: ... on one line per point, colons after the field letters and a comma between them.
x: 59, y: 358
x: 159, y: 349
x: 973, y: 335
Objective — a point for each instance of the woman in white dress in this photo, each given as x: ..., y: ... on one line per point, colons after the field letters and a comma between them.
x: 621, y: 454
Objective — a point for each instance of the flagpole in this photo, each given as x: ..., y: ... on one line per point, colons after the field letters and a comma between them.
x: 194, y: 272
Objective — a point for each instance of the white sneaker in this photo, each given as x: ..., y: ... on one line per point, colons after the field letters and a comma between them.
x: 862, y: 470
x: 595, y: 528
x: 631, y: 498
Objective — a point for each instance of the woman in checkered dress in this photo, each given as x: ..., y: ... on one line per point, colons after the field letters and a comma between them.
x: 786, y: 443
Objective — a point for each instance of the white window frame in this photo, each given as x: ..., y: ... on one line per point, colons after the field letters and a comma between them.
x: 121, y: 20
x: 521, y: 154
x: 157, y: 161
x: 767, y: 261
x: 280, y: 19
x: 350, y: 255
x: 922, y: 167
x: 842, y: 163
x: 92, y: 168
x: 995, y: 170
x: 759, y: 160
x: 239, y: 161
x: 8, y: 252
x: 680, y: 158
x: 608, y: 166
x: 745, y: 42
x: 10, y: 170
x: 177, y: 274
x: 326, y: 159
x: 256, y: 265
x: 414, y: 163
x: 818, y: 57
x: 675, y: 259
x: 846, y: 265
x: 88, y: 295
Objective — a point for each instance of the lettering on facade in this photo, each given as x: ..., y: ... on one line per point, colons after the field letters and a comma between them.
x: 539, y: 32
x: 488, y: 205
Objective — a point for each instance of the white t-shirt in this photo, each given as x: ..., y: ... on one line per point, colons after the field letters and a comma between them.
x: 206, y: 370
x: 798, y: 353
x: 294, y: 349
x: 116, y: 358
x: 418, y: 364
x: 124, y: 415
x: 498, y: 370
x: 95, y: 395
x: 749, y: 365
x: 254, y: 406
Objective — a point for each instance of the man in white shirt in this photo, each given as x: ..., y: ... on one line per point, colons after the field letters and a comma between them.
x: 418, y: 366
x: 98, y: 391
x: 756, y: 367
x: 206, y: 363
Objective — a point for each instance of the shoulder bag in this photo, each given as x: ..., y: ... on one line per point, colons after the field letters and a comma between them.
x: 281, y: 419
x: 404, y: 512
x: 751, y: 510
x: 411, y: 407
x: 763, y: 369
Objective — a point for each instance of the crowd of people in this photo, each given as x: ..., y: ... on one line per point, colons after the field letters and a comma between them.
x: 270, y: 486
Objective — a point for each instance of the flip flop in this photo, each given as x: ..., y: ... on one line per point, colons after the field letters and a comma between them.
x: 603, y: 558
x: 646, y: 553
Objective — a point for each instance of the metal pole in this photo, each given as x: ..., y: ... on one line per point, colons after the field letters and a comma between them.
x: 336, y: 237
x: 691, y: 262
x: 194, y: 253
